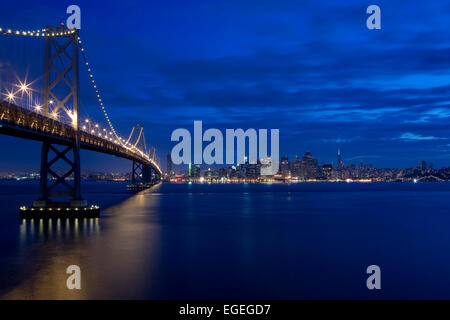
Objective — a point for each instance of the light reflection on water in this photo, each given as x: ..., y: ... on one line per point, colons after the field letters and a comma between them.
x: 56, y: 229
x: 110, y: 252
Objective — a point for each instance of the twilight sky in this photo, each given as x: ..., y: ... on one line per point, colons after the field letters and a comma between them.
x: 309, y: 68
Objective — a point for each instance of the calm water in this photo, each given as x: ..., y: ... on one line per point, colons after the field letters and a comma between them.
x: 181, y: 241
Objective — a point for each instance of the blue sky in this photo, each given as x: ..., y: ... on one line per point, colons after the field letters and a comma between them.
x: 309, y: 68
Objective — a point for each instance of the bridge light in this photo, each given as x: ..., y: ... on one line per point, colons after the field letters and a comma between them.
x: 38, y: 108
x: 10, y: 96
x: 87, y: 120
x: 74, y: 117
x: 51, y: 102
x: 24, y: 87
x: 55, y: 115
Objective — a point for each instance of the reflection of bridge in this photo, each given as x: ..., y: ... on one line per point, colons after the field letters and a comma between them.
x: 55, y: 121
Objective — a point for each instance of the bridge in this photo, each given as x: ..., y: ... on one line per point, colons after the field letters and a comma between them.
x: 53, y: 118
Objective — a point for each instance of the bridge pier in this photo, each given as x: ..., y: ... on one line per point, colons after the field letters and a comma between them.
x: 142, y: 176
x: 141, y: 173
x: 72, y: 205
x: 72, y: 191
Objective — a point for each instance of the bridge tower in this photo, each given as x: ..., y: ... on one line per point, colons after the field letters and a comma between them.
x: 61, y: 102
x: 141, y: 172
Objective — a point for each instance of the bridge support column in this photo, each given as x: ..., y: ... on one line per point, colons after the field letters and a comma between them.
x: 137, y: 173
x: 70, y: 191
x: 141, y: 173
x: 146, y: 173
x: 65, y: 183
x: 60, y: 196
x: 143, y: 176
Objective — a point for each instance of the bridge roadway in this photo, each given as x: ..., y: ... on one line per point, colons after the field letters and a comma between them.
x: 21, y: 122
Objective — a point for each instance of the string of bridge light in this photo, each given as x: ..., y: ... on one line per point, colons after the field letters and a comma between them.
x: 23, y: 87
x: 37, y: 33
x: 70, y: 32
x: 100, y: 101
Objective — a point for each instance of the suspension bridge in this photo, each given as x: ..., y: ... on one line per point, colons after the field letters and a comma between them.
x: 51, y: 115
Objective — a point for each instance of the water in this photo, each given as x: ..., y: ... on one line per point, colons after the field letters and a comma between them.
x: 200, y: 241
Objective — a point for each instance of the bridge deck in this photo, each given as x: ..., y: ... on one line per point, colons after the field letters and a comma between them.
x: 20, y: 122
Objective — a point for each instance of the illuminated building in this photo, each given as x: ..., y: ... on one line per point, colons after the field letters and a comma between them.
x: 169, y: 164
x: 309, y: 167
x: 285, y: 169
x: 327, y: 170
x: 295, y: 167
x: 339, y: 161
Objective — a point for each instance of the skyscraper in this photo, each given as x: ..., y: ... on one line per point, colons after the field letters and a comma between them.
x: 196, y: 171
x: 309, y: 167
x: 327, y: 170
x: 169, y: 164
x: 339, y: 161
x: 284, y: 166
x: 295, y: 167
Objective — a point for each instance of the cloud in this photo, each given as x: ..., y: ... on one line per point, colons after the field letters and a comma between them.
x: 409, y: 136
x: 341, y: 140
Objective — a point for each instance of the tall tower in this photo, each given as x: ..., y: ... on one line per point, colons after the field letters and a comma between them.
x: 61, y: 52
x: 339, y: 162
x: 169, y: 164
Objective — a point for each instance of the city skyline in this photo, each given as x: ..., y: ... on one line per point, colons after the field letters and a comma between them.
x: 305, y: 169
